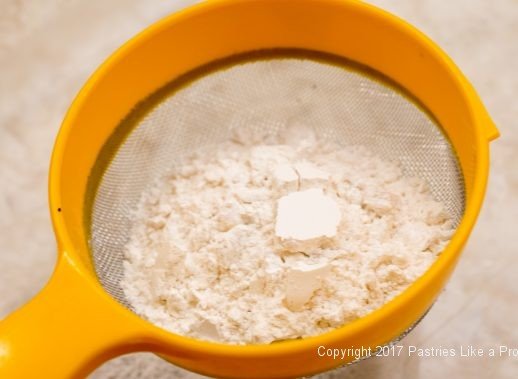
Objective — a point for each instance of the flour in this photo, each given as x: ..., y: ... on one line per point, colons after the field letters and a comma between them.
x: 206, y: 260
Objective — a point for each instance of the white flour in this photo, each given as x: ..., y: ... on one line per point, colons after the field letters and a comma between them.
x: 210, y: 257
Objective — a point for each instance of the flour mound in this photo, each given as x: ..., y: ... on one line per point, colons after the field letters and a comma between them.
x: 204, y: 260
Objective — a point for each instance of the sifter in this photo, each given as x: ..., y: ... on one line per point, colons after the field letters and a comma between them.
x: 356, y: 73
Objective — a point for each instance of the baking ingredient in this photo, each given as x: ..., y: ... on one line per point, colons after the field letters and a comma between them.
x: 263, y: 239
x: 305, y: 215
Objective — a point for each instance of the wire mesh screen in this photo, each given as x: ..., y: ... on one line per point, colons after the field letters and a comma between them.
x: 341, y: 101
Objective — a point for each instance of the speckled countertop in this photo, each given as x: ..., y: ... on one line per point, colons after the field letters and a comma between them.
x: 48, y: 49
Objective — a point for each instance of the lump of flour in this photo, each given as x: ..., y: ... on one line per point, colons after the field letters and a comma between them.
x: 281, y: 238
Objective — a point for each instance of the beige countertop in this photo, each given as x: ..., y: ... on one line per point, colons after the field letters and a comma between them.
x: 48, y: 49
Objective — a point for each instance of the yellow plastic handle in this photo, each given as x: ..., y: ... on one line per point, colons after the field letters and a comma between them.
x: 66, y: 331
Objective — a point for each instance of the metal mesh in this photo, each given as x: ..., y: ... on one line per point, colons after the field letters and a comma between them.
x: 342, y: 102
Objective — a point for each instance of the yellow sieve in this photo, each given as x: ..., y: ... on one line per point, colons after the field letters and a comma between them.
x: 360, y: 75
